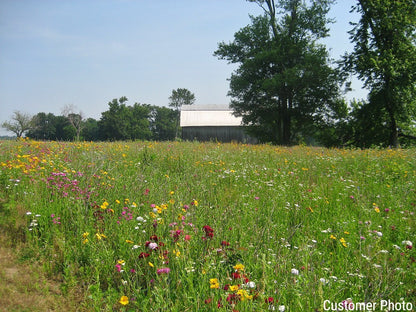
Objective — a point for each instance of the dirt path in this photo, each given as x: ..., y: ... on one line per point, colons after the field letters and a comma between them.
x: 23, y: 287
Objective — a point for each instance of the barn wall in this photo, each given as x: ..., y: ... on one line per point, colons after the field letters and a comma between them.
x: 217, y: 133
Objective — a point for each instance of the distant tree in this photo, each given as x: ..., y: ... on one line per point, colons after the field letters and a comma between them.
x: 384, y: 57
x: 178, y: 98
x: 122, y: 122
x: 113, y: 124
x: 90, y: 131
x: 43, y: 127
x: 19, y: 123
x: 75, y: 119
x: 284, y: 83
x: 164, y: 123
x: 139, y: 122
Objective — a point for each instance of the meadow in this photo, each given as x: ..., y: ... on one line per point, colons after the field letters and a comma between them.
x: 188, y: 226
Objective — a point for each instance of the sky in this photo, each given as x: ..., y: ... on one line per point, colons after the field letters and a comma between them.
x: 84, y: 53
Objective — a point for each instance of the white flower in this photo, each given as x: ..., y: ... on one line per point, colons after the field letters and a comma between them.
x: 251, y: 285
x: 135, y: 247
x: 294, y: 272
x: 152, y: 245
x: 323, y: 281
x: 379, y: 234
x: 407, y: 243
x: 140, y: 219
x: 28, y: 213
x: 282, y: 308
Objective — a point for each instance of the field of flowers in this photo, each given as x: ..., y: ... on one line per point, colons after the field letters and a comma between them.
x: 187, y: 226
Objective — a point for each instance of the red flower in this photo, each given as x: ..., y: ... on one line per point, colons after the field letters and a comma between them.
x: 143, y: 255
x: 209, y: 231
x: 154, y: 238
x: 233, y: 298
x: 224, y: 243
x: 207, y: 301
x: 235, y: 275
x: 269, y: 300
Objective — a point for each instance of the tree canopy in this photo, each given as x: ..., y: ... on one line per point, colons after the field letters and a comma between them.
x: 384, y: 58
x: 284, y: 84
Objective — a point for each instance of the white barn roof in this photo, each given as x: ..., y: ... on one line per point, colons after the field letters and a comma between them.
x: 208, y: 115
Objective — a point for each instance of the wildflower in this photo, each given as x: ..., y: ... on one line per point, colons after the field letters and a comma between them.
x: 251, y: 285
x: 209, y: 231
x: 152, y: 246
x: 151, y: 264
x: 187, y: 237
x: 294, y: 272
x: 332, y: 237
x: 143, y: 255
x: 85, y: 235
x: 100, y: 236
x: 104, y: 205
x: 244, y: 295
x: 214, y: 283
x: 239, y: 267
x: 233, y: 287
x: 124, y: 300
x: 376, y: 209
x: 407, y: 243
x: 343, y: 242
x: 281, y: 308
x: 129, y: 241
x: 269, y: 300
x: 163, y: 271
x: 224, y: 243
x: 140, y: 219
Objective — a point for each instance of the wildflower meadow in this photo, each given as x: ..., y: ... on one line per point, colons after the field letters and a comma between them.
x: 188, y: 226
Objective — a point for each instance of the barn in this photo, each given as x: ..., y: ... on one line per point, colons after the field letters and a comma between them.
x: 212, y: 123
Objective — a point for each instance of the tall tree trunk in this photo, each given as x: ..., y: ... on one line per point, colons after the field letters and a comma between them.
x: 394, y: 134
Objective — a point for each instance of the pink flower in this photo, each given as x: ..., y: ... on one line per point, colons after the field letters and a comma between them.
x: 163, y: 271
x: 152, y: 246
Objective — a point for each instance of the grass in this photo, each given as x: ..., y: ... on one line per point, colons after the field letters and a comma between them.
x: 186, y: 226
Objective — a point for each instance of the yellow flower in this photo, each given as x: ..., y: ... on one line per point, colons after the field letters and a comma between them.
x: 151, y: 264
x: 124, y: 300
x: 239, y: 267
x: 171, y: 193
x: 244, y: 295
x: 129, y: 241
x: 234, y: 287
x: 343, y: 242
x: 332, y: 237
x: 376, y: 209
x: 117, y: 201
x: 104, y: 205
x: 85, y: 235
x: 100, y: 236
x: 85, y: 241
x: 122, y: 262
x: 214, y: 284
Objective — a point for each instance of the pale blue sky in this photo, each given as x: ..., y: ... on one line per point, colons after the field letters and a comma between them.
x: 88, y: 52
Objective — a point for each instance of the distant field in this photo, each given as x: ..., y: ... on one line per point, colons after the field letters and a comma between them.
x: 186, y: 226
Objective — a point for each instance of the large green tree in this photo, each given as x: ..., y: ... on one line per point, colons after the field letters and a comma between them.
x: 179, y: 97
x: 384, y: 57
x: 284, y: 84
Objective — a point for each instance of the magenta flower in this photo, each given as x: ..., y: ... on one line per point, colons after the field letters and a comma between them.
x: 163, y: 271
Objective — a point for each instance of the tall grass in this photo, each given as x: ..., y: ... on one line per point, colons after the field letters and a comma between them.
x: 147, y: 226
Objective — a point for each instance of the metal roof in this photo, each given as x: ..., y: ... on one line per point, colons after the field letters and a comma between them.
x: 208, y: 115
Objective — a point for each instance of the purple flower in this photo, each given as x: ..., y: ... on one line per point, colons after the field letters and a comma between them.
x: 163, y: 271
